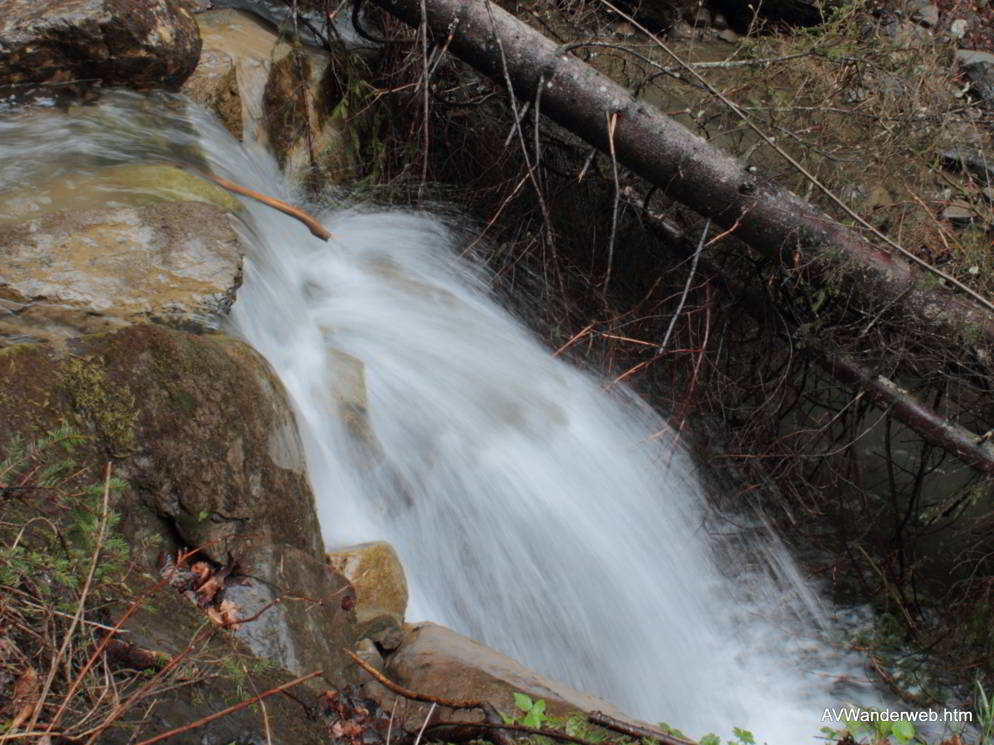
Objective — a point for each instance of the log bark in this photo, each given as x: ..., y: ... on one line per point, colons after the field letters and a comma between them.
x: 771, y: 219
x: 971, y: 449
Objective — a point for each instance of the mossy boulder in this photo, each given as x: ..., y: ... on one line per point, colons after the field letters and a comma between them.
x: 133, y: 184
x: 200, y: 434
x: 198, y: 426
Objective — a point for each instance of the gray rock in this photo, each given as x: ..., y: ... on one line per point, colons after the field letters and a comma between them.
x: 298, y: 635
x: 927, y: 15
x: 960, y: 214
x: 440, y: 662
x: 136, y: 43
x: 971, y: 57
x: 981, y: 77
x: 957, y: 29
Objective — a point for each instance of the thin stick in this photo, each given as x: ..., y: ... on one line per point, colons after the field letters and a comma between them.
x: 231, y: 709
x: 686, y: 287
x: 536, y: 731
x: 316, y: 228
x: 612, y: 125
x: 632, y: 730
x: 406, y: 692
x: 417, y: 740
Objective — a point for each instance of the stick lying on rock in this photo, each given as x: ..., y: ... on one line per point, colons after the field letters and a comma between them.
x: 492, y: 728
x: 316, y: 228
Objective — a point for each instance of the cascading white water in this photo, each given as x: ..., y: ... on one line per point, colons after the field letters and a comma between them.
x: 532, y: 509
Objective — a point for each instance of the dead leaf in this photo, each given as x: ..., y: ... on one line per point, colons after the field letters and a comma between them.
x: 229, y: 614
x: 201, y: 571
x: 25, y: 699
x: 208, y: 591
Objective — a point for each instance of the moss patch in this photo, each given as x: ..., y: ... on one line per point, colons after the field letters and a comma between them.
x: 106, y: 407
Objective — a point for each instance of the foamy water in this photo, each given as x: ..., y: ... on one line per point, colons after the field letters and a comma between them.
x: 532, y: 510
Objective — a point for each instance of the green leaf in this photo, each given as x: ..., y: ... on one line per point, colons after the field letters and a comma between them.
x: 710, y: 739
x: 903, y: 731
x: 535, y: 714
x: 744, y: 736
x: 523, y: 702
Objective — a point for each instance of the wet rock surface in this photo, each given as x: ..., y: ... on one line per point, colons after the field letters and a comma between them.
x: 200, y: 434
x: 75, y: 272
x: 439, y: 662
x: 265, y: 91
x: 304, y: 610
x: 226, y: 672
x: 136, y: 43
x: 375, y: 571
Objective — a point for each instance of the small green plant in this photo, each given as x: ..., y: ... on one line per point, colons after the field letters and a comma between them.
x: 533, y: 712
x: 742, y: 737
x: 880, y: 731
x: 46, y: 468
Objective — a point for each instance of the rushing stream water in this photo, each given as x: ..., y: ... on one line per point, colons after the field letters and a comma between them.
x: 532, y: 509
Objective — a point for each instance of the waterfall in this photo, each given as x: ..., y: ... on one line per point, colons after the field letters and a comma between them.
x: 533, y: 509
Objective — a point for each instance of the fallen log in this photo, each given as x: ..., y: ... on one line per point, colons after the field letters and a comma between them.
x: 974, y: 450
x: 771, y: 219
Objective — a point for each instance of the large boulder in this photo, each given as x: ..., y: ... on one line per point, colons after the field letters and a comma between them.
x: 203, y: 442
x: 76, y: 272
x: 198, y: 426
x: 141, y: 44
x: 437, y: 661
x: 283, y: 97
x: 101, y: 250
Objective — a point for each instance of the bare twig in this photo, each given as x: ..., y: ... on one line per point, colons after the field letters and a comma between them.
x: 316, y: 228
x: 686, y: 287
x: 626, y: 728
x: 81, y: 604
x: 231, y: 709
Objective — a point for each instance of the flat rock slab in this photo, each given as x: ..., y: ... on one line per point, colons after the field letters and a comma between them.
x: 70, y: 273
x: 141, y: 44
x: 437, y: 661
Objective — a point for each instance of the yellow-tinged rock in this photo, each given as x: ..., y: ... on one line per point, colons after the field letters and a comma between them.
x: 374, y: 569
x: 130, y: 185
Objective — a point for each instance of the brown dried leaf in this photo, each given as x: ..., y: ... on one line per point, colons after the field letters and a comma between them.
x: 201, y: 571
x: 208, y: 591
x: 26, y: 693
x: 229, y: 614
